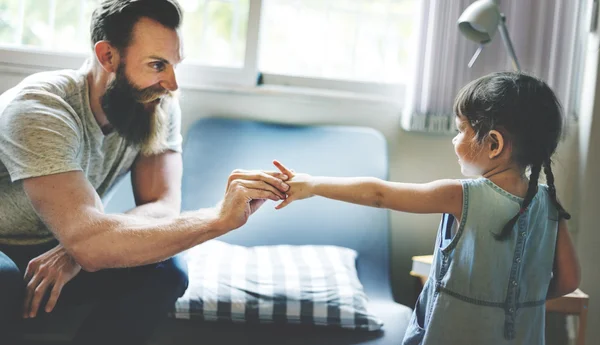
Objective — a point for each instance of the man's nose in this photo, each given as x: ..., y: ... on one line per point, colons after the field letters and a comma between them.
x: 169, y: 82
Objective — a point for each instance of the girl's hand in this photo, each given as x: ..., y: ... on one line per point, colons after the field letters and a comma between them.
x: 300, y: 185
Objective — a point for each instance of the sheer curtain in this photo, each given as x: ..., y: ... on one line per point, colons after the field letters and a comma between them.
x: 544, y: 35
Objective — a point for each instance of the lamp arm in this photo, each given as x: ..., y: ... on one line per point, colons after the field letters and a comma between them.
x: 508, y: 43
x: 476, y: 55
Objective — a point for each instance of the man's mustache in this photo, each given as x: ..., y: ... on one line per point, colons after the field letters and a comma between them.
x: 151, y: 94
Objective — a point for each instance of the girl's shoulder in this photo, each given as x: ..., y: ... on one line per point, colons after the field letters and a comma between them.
x: 491, y: 188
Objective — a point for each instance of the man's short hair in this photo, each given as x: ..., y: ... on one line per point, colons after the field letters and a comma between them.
x: 113, y: 20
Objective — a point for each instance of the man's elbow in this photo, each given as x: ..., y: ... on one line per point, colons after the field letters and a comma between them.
x: 84, y: 253
x: 92, y: 258
x: 88, y: 261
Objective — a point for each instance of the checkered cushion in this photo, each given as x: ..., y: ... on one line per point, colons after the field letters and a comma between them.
x: 314, y: 285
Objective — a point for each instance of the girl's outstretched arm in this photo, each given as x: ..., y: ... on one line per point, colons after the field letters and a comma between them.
x: 442, y: 196
x: 566, y: 273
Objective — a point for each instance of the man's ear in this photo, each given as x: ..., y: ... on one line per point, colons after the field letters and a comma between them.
x: 496, y: 143
x: 107, y: 55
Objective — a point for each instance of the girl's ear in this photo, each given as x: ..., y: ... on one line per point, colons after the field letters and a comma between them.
x: 496, y: 143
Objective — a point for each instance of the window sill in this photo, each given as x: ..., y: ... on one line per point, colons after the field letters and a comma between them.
x: 297, y: 93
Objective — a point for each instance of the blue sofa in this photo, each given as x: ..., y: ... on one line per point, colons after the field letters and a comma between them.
x: 216, y: 146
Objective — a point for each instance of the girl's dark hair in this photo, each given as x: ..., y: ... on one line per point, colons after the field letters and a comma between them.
x: 113, y: 20
x: 529, y: 116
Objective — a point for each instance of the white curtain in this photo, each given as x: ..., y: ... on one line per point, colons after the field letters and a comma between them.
x: 543, y: 33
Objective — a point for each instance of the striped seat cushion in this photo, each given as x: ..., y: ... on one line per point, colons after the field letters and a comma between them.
x: 314, y: 285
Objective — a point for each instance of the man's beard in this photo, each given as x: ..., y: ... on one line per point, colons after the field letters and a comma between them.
x: 136, y: 114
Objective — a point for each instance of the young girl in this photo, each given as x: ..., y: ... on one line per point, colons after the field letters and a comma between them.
x: 503, y: 246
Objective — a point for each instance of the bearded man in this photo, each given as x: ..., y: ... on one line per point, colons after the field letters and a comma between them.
x: 66, y: 137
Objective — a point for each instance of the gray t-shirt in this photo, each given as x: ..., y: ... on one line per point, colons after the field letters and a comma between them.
x: 47, y: 127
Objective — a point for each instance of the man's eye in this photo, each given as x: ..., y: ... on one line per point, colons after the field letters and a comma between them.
x: 159, y: 66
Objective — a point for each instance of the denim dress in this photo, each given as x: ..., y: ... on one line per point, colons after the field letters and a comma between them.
x: 481, y: 290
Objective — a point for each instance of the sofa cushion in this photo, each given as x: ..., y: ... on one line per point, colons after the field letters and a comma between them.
x: 281, y: 284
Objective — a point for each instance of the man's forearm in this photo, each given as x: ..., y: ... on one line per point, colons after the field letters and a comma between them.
x: 122, y: 240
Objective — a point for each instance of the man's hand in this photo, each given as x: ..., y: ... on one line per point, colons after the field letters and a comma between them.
x: 51, y: 270
x: 300, y: 185
x: 246, y: 192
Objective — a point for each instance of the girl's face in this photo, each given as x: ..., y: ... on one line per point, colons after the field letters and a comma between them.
x: 471, y: 155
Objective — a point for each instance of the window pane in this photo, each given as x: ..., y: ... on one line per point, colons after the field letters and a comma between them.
x: 214, y: 31
x: 72, y: 32
x: 9, y: 21
x: 61, y: 25
x: 360, y: 40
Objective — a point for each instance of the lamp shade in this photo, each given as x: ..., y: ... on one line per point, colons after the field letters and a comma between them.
x: 479, y: 21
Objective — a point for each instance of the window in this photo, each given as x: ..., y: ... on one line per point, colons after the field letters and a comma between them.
x: 359, y: 45
x: 46, y: 24
x: 217, y: 26
x: 360, y: 40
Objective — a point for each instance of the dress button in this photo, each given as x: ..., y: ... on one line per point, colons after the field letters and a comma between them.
x: 518, y: 259
x: 511, y: 310
x: 523, y: 233
x: 514, y: 283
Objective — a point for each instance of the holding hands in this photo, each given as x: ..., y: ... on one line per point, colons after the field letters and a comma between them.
x: 245, y: 193
x: 301, y: 185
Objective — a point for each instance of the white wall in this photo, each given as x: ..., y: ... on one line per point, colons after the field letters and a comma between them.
x: 414, y: 157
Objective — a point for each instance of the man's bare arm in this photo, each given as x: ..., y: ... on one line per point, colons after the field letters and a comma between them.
x: 156, y: 182
x: 72, y: 210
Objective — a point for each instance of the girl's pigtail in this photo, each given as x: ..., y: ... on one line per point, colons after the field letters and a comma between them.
x: 562, y: 214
